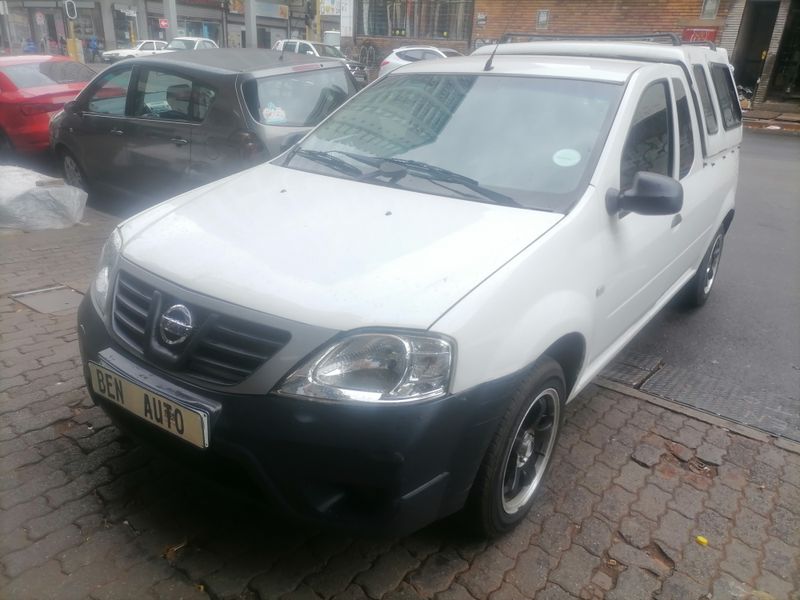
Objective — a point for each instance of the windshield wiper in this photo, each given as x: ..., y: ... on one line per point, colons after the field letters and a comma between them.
x: 330, y: 161
x: 436, y: 174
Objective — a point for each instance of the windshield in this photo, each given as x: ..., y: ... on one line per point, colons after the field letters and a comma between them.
x: 30, y: 75
x: 300, y: 99
x: 328, y: 51
x: 177, y: 44
x: 517, y: 140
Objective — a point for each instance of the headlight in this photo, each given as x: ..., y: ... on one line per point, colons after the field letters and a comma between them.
x: 105, y: 271
x: 375, y: 367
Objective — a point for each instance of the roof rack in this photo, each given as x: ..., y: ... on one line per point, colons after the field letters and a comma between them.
x: 645, y: 37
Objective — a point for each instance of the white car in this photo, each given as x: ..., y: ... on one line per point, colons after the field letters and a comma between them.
x: 357, y: 70
x: 408, y: 54
x: 142, y: 48
x: 190, y: 43
x: 384, y: 325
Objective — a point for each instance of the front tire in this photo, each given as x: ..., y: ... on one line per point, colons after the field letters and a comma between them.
x: 72, y: 171
x: 521, y: 452
x: 699, y: 287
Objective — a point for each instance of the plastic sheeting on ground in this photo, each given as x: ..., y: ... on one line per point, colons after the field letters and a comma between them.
x: 30, y: 200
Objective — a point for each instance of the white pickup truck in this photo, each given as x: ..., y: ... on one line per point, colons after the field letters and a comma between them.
x: 384, y: 324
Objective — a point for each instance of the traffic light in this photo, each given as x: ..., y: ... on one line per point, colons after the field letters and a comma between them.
x: 71, y: 9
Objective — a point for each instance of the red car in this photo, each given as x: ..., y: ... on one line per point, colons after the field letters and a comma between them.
x: 32, y: 88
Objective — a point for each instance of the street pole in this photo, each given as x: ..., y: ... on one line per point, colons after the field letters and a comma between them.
x: 319, y: 21
x: 171, y: 14
x: 225, y: 5
x: 250, y: 23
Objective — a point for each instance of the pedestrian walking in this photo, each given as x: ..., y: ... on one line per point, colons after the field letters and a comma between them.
x: 94, y: 52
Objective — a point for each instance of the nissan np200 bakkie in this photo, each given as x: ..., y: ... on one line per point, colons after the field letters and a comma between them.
x: 384, y: 324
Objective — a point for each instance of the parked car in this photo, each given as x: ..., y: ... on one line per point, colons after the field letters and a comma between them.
x: 32, y: 88
x: 190, y: 43
x: 159, y: 125
x: 408, y: 54
x: 142, y: 48
x: 385, y: 324
x: 357, y: 70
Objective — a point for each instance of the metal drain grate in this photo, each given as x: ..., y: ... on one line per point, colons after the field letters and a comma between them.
x: 57, y: 300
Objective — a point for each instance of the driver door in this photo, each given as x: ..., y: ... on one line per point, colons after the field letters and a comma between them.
x: 639, y: 249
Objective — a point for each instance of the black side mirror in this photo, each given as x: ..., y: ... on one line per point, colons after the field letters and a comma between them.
x: 71, y: 108
x: 650, y: 194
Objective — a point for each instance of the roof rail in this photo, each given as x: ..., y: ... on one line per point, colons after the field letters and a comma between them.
x: 672, y: 37
x: 708, y: 43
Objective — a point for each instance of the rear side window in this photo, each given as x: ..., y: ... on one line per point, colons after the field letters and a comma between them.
x: 148, y: 46
x: 727, y: 96
x: 649, y: 143
x: 685, y: 132
x: 290, y: 46
x: 30, y: 75
x: 301, y: 99
x: 165, y: 96
x: 705, y: 99
x: 410, y: 55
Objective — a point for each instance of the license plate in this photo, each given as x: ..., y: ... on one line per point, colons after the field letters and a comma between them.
x: 188, y: 424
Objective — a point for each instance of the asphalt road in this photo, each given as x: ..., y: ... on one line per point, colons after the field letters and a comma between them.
x: 749, y: 330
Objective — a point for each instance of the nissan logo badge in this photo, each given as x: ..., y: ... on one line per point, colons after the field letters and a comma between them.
x: 175, y: 324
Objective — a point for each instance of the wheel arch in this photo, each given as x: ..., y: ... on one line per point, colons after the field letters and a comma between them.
x: 728, y: 220
x: 569, y: 351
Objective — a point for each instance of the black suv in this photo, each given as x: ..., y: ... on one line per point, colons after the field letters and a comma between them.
x: 160, y: 125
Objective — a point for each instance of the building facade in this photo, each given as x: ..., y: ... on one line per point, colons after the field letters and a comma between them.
x: 121, y: 24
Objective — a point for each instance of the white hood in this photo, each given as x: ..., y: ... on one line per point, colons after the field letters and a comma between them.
x: 328, y: 251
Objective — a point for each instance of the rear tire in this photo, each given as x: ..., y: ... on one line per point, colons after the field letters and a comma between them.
x: 698, y: 288
x: 521, y: 452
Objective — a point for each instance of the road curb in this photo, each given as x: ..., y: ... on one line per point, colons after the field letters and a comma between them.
x: 711, y: 419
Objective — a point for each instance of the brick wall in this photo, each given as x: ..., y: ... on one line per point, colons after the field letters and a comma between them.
x: 592, y: 16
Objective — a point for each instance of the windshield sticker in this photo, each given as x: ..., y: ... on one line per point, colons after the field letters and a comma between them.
x: 273, y: 115
x: 567, y: 157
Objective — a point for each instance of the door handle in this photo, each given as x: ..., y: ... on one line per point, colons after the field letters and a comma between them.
x: 676, y: 220
x: 116, y: 132
x: 179, y: 141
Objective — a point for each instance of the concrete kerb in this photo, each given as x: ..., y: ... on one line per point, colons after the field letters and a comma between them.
x: 708, y: 418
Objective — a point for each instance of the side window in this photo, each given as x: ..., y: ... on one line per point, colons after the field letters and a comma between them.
x: 727, y: 96
x: 430, y: 55
x: 290, y: 46
x: 147, y: 46
x: 649, y: 143
x: 161, y: 45
x: 705, y: 99
x: 685, y: 131
x: 411, y: 55
x: 171, y: 97
x: 305, y: 49
x: 110, y: 95
x: 208, y: 45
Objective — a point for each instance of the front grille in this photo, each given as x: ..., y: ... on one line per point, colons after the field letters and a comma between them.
x: 223, y: 350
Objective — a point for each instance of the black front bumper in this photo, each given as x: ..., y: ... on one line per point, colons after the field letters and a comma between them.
x: 385, y: 469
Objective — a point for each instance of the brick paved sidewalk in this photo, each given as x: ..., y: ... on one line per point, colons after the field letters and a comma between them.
x: 85, y: 513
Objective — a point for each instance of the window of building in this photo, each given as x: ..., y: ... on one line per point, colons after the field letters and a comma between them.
x: 685, y: 131
x: 709, y: 10
x: 649, y: 144
x: 439, y: 19
x: 705, y: 99
x: 726, y: 95
x: 543, y: 19
x: 109, y: 96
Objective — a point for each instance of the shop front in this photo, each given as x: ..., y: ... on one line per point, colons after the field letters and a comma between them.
x: 41, y: 27
x: 387, y: 24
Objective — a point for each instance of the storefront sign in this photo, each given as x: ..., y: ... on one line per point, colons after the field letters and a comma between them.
x: 263, y: 9
x: 699, y: 34
x: 163, y: 23
x: 39, y: 18
x: 480, y: 19
x: 330, y: 7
